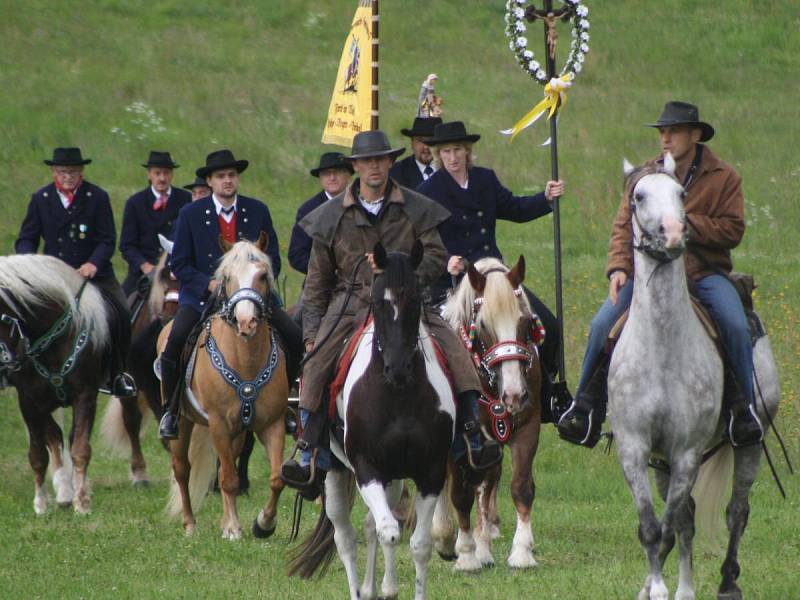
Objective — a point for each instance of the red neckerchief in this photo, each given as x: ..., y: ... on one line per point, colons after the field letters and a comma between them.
x: 69, y: 195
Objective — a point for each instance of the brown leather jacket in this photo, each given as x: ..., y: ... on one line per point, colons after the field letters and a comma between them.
x: 342, y: 234
x: 715, y: 212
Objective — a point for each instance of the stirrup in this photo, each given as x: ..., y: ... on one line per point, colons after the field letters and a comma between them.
x: 750, y: 438
x: 312, y: 467
x: 487, y: 443
x: 569, y: 434
x: 124, y: 386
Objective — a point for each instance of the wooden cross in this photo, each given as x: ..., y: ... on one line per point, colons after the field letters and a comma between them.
x: 550, y: 15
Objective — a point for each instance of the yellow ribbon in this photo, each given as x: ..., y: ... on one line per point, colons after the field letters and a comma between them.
x: 555, y: 96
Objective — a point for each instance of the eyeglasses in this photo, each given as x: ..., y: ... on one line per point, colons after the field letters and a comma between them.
x: 62, y: 172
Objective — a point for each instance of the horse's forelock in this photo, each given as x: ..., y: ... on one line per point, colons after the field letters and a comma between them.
x: 500, y: 311
x: 237, y: 258
x: 642, y: 171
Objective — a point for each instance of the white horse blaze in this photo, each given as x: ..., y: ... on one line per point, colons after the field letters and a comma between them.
x: 245, y: 311
x: 389, y: 297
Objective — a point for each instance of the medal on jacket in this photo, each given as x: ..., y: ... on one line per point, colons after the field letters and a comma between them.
x: 83, y: 228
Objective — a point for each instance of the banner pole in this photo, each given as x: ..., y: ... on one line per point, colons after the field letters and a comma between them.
x: 374, y: 124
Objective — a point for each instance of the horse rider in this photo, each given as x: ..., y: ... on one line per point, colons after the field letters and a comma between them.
x: 414, y: 169
x: 476, y: 199
x: 195, y: 254
x: 344, y: 231
x: 148, y: 213
x: 715, y: 215
x: 75, y: 220
x: 198, y: 188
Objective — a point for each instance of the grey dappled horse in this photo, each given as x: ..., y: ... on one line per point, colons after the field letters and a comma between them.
x: 665, y: 389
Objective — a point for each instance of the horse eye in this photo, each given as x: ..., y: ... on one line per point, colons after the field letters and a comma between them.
x: 263, y: 277
x: 683, y: 194
x: 638, y: 196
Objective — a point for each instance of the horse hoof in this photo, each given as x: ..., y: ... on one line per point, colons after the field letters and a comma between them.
x: 734, y: 594
x: 243, y: 491
x: 447, y: 556
x: 261, y: 533
x: 141, y: 484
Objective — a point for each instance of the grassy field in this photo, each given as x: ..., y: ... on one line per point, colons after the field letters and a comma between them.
x: 122, y: 77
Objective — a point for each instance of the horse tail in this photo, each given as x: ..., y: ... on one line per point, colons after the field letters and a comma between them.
x: 316, y: 551
x: 711, y: 491
x: 203, y: 463
x: 112, y: 429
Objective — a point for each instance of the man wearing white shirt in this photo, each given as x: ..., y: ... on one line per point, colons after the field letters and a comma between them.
x: 414, y: 169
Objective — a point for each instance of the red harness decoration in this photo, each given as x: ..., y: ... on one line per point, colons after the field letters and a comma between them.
x: 344, y: 367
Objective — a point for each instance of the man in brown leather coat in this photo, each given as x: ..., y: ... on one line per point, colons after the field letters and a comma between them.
x: 344, y: 232
x: 715, y: 214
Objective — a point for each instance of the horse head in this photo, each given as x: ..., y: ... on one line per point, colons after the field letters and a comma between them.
x: 245, y: 273
x: 396, y: 307
x: 656, y: 201
x: 163, y: 297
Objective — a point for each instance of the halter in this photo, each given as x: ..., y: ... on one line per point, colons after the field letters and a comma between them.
x: 57, y: 379
x: 263, y: 309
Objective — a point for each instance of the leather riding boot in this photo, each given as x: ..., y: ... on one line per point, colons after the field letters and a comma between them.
x: 168, y: 427
x: 482, y: 453
x: 582, y: 422
x: 305, y: 475
x: 743, y: 427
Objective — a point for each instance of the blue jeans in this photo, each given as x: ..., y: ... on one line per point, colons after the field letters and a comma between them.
x: 324, y: 454
x: 718, y: 295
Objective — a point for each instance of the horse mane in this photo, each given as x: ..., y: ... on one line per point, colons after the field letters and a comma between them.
x: 238, y: 257
x: 158, y: 290
x: 31, y: 281
x: 499, y: 300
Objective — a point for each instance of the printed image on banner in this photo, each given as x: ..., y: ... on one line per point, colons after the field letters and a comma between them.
x: 350, y: 110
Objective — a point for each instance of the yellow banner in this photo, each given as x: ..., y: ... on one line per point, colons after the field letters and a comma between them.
x: 350, y: 111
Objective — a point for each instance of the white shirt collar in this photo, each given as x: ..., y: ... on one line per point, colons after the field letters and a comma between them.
x: 422, y: 168
x: 218, y: 206
x: 157, y: 194
x: 328, y: 195
x: 371, y: 207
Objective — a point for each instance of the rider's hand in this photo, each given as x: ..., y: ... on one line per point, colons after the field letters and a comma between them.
x: 553, y: 189
x: 456, y: 265
x: 615, y: 283
x: 146, y: 267
x: 213, y: 285
x: 87, y: 270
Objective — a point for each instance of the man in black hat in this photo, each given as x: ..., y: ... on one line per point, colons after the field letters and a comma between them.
x: 414, y: 169
x: 75, y: 220
x: 372, y: 209
x: 195, y: 254
x: 198, y: 188
x: 334, y: 172
x: 148, y: 213
x: 714, y: 206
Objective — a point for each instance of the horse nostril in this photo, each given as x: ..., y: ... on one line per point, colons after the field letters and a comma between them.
x: 661, y: 229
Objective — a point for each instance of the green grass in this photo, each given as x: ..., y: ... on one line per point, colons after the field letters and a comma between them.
x: 256, y: 77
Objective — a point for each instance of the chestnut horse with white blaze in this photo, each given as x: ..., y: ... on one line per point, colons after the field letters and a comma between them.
x: 491, y: 313
x: 238, y: 382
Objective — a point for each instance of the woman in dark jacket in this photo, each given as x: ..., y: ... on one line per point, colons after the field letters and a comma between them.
x: 476, y: 200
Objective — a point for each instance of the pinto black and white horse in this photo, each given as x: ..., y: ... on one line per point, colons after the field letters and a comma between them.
x: 665, y: 389
x: 54, y: 336
x: 398, y: 410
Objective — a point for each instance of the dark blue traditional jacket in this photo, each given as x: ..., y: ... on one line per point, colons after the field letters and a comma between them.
x: 300, y: 244
x: 406, y: 172
x: 82, y: 233
x: 138, y: 240
x: 470, y: 229
x: 196, y: 250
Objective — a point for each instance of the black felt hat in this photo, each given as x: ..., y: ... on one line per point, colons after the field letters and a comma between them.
x: 373, y: 143
x: 422, y: 127
x: 160, y: 159
x: 196, y: 183
x: 451, y: 133
x: 683, y: 113
x: 221, y: 159
x: 332, y: 160
x: 67, y: 157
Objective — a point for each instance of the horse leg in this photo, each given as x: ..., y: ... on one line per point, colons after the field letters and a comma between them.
x: 243, y: 462
x: 371, y: 536
x: 421, y: 542
x: 181, y: 468
x: 494, y: 517
x: 523, y: 491
x: 482, y: 531
x: 37, y: 450
x: 387, y: 528
x: 83, y: 412
x: 228, y: 477
x: 745, y: 468
x: 633, y: 458
x: 132, y: 419
x: 462, y: 494
x: 273, y: 439
x: 62, y: 462
x: 338, y: 486
x: 443, y: 532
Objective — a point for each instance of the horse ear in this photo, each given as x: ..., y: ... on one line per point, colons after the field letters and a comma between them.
x: 224, y: 244
x: 669, y: 163
x: 262, y: 240
x: 517, y: 274
x: 476, y: 279
x: 379, y: 256
x: 627, y: 167
x: 165, y: 244
x: 416, y: 254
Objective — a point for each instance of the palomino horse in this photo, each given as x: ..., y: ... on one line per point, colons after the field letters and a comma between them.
x: 54, y: 333
x: 491, y: 313
x: 399, y: 413
x: 122, y: 420
x: 238, y: 383
x: 665, y: 391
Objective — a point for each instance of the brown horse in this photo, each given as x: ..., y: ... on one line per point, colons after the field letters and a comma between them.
x: 54, y: 337
x: 122, y: 421
x: 493, y: 317
x: 238, y: 383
